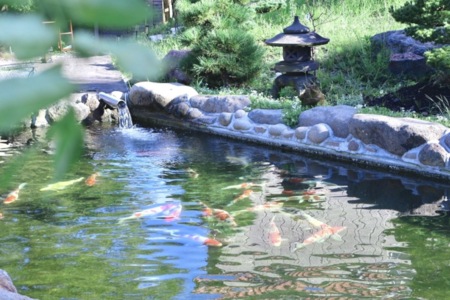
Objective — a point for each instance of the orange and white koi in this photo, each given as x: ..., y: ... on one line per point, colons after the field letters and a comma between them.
x: 14, y: 195
x: 245, y: 194
x: 92, y: 180
x: 219, y: 214
x: 245, y: 185
x: 167, y: 211
x: 61, y: 185
x: 270, y: 206
x: 274, y: 233
x: 320, y: 236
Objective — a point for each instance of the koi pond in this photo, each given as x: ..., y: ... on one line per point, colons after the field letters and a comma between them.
x: 176, y: 215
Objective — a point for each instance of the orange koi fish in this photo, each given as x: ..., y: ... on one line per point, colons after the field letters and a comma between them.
x: 274, y: 233
x: 201, y: 239
x: 14, y: 195
x: 320, y: 236
x: 219, y: 214
x: 92, y: 180
x: 245, y: 185
x: 168, y: 211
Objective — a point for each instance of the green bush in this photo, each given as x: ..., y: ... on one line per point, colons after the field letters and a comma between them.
x: 428, y: 20
x: 223, y: 53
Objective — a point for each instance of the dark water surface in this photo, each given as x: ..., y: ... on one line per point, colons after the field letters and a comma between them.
x: 360, y: 233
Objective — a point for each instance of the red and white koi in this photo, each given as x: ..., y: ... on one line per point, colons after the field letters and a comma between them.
x: 274, y: 233
x: 168, y: 211
x: 320, y: 236
x: 14, y: 195
x: 219, y: 214
x: 173, y: 213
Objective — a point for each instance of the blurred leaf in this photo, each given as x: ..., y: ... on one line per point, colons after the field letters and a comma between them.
x: 107, y: 13
x: 20, y: 97
x: 142, y: 63
x: 68, y: 136
x: 26, y: 34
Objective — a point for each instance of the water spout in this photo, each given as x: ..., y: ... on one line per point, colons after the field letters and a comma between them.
x: 119, y: 104
x: 112, y: 101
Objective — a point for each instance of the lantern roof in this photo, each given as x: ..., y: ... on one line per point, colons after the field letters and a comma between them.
x: 297, y: 34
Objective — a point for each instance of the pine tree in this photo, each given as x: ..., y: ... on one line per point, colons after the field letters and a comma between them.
x: 223, y: 53
x: 429, y: 20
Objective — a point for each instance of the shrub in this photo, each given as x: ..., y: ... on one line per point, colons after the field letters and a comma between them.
x: 223, y: 53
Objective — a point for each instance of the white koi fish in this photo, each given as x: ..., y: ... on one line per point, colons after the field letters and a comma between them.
x: 61, y: 185
x: 200, y: 239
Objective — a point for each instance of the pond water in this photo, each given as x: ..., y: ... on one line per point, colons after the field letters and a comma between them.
x: 331, y: 230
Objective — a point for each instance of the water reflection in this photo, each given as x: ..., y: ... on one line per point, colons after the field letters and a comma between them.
x: 74, y: 240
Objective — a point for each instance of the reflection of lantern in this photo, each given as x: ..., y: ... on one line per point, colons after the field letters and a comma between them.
x: 297, y: 42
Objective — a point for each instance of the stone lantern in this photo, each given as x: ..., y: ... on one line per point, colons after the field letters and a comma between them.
x: 298, y: 42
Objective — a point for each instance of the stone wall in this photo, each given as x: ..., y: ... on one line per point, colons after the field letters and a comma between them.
x: 339, y: 132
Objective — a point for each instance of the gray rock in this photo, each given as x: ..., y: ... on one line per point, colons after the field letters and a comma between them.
x: 225, y: 119
x: 266, y: 116
x: 240, y: 114
x: 337, y: 117
x: 158, y: 95
x: 319, y: 133
x: 218, y: 104
x: 39, y: 119
x: 395, y: 135
x: 408, y: 64
x: 172, y: 70
x: 90, y: 100
x: 7, y: 289
x: 433, y: 154
x: 195, y: 113
x: 353, y: 146
x: 81, y: 110
x: 278, y: 129
x: 300, y: 132
x: 398, y: 42
x: 242, y: 124
x: 57, y: 111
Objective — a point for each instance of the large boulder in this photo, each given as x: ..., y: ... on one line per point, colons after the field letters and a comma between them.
x: 395, y: 135
x: 7, y: 289
x: 396, y: 41
x: 158, y: 95
x: 219, y: 104
x: 172, y: 70
x: 337, y: 117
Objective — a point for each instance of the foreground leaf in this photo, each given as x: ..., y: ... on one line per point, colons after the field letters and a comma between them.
x: 68, y: 136
x: 107, y: 13
x: 27, y: 36
x: 21, y: 97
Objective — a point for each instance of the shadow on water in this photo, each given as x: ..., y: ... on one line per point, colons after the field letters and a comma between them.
x: 327, y: 229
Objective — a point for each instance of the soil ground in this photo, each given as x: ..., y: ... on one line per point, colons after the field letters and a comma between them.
x: 415, y: 98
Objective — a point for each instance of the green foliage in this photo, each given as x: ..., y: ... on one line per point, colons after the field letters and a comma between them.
x: 430, y: 19
x: 223, y: 53
x: 440, y: 60
x: 265, y: 6
x: 17, y: 5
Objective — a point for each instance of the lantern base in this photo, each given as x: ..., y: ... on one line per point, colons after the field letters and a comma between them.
x: 305, y: 86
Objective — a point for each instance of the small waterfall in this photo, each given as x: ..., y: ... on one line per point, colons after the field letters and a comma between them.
x: 125, y: 120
